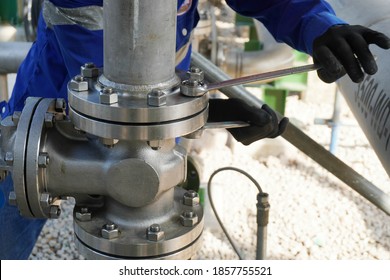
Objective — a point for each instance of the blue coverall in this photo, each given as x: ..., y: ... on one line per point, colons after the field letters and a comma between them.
x: 60, y: 50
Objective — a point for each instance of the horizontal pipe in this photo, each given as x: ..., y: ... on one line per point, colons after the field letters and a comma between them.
x: 11, y: 55
x: 302, y: 141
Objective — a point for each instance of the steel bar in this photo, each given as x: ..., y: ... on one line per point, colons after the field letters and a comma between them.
x: 302, y: 141
x: 262, y: 76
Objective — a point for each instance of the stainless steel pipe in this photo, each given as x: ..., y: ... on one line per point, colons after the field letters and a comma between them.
x: 139, y: 42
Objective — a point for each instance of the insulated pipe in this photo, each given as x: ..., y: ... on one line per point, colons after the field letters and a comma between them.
x: 139, y: 41
x: 369, y: 100
x: 12, y: 55
x: 302, y: 141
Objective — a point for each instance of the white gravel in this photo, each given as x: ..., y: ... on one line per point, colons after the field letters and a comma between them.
x: 313, y: 215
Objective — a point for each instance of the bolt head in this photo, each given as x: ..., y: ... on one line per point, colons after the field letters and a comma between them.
x: 84, y: 215
x: 110, y: 231
x: 9, y: 158
x: 154, y: 233
x: 89, y: 70
x: 191, y: 198
x: 196, y: 74
x: 43, y: 160
x: 78, y: 83
x: 108, y: 96
x: 157, y: 98
x: 55, y: 212
x: 12, y: 198
x: 189, y: 218
x: 60, y: 105
x: 16, y: 116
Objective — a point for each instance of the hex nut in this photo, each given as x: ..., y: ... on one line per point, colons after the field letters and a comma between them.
x: 154, y: 233
x: 9, y: 158
x: 49, y: 119
x: 157, y: 98
x: 55, y: 212
x: 191, y: 198
x: 12, y: 198
x: 89, y: 70
x: 84, y: 215
x: 78, y: 83
x: 108, y: 96
x: 60, y: 105
x: 43, y: 160
x: 110, y: 231
x: 188, y: 218
x: 16, y: 116
x: 196, y: 74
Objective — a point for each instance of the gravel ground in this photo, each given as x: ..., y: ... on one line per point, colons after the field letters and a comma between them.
x: 313, y: 215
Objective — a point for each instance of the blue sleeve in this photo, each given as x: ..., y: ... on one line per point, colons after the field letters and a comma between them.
x: 294, y: 22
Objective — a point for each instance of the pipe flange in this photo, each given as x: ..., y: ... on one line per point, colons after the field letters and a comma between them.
x: 178, y: 241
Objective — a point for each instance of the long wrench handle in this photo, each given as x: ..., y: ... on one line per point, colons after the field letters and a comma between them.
x: 263, y: 76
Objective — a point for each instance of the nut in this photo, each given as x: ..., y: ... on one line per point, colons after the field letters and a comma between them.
x: 189, y: 218
x: 89, y: 70
x: 45, y: 200
x: 196, y: 74
x: 12, y: 198
x: 157, y: 98
x: 110, y: 231
x: 84, y: 215
x: 154, y: 233
x: 9, y: 158
x: 60, y: 105
x: 16, y: 116
x: 78, y: 83
x: 43, y: 160
x: 191, y: 198
x: 49, y: 119
x: 108, y: 96
x: 55, y: 212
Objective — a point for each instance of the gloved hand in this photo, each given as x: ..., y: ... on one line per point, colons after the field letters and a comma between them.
x: 344, y: 49
x: 264, y: 122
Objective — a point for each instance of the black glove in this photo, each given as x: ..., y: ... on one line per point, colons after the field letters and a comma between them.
x: 344, y: 49
x: 264, y: 122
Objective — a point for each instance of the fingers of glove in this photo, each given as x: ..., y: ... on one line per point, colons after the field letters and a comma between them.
x: 326, y: 58
x: 331, y: 69
x: 363, y: 53
x: 377, y: 38
x: 281, y: 128
x: 250, y: 134
x: 350, y: 63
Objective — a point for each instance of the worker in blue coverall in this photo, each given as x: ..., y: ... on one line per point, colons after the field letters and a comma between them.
x: 70, y: 34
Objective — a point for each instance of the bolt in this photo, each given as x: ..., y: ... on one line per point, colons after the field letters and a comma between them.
x: 188, y: 218
x: 49, y: 119
x: 110, y: 231
x: 108, y: 96
x: 196, y: 74
x: 12, y: 198
x: 60, y: 105
x: 109, y: 142
x: 78, y: 83
x: 16, y: 117
x: 9, y: 158
x: 43, y: 160
x: 84, y: 215
x: 157, y: 98
x: 154, y: 233
x: 55, y: 212
x: 191, y: 198
x: 155, y: 144
x: 89, y: 70
x: 45, y: 200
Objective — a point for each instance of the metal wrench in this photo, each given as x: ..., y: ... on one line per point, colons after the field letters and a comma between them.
x: 198, y: 88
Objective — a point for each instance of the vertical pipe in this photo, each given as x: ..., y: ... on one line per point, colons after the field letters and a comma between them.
x: 139, y: 41
x: 3, y: 87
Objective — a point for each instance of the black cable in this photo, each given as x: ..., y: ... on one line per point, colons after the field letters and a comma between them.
x: 213, y: 206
